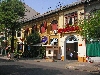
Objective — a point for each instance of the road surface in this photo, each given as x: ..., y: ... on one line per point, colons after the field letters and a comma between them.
x: 20, y: 68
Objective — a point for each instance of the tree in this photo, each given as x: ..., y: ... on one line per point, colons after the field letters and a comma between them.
x: 33, y: 38
x: 11, y: 11
x: 90, y: 28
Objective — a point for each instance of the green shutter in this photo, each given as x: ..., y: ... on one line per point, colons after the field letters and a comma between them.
x: 93, y: 49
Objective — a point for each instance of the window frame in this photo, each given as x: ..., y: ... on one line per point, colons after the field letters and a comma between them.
x: 49, y: 51
x: 71, y: 16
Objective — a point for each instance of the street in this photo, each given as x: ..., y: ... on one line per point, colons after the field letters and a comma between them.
x: 8, y: 67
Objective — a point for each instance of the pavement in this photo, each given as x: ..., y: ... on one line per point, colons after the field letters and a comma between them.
x: 84, y: 66
x: 68, y: 64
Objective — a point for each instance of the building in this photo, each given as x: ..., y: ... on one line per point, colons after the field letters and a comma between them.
x: 29, y: 15
x: 59, y: 29
x: 89, y: 9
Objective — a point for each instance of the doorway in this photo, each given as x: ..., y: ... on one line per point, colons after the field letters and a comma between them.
x: 71, y: 47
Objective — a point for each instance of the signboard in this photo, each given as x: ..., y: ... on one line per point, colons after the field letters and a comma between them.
x: 44, y: 39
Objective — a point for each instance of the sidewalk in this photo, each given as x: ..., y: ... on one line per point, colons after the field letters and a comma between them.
x: 84, y: 66
x: 3, y: 57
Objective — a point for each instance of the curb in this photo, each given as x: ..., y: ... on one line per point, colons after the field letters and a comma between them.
x: 50, y: 60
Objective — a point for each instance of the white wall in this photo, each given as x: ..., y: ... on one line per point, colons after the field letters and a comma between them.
x: 63, y: 46
x: 95, y: 59
x: 81, y: 49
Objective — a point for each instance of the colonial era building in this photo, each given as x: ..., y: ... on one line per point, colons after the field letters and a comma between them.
x: 58, y: 29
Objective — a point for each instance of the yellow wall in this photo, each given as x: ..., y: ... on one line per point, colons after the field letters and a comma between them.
x: 61, y: 19
x: 48, y: 32
x: 57, y: 16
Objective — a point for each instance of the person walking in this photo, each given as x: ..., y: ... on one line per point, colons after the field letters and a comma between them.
x: 71, y: 56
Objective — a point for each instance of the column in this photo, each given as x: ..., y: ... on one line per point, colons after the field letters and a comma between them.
x: 63, y: 49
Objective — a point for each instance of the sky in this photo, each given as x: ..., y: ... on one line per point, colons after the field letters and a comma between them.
x: 43, y: 6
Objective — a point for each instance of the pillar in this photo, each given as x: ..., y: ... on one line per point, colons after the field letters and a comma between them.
x: 63, y: 49
x: 81, y: 50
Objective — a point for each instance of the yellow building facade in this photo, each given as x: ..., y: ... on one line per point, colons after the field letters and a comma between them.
x: 61, y: 18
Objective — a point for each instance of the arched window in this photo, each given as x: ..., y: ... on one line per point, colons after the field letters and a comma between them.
x: 71, y: 38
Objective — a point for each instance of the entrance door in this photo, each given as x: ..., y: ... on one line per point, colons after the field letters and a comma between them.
x: 71, y: 47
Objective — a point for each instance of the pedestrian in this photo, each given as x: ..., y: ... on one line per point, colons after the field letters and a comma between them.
x: 71, y: 56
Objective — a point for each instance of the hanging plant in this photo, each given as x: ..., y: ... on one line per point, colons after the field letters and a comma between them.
x: 68, y: 29
x: 60, y: 30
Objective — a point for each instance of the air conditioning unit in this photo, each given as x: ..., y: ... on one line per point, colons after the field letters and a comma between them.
x: 55, y: 31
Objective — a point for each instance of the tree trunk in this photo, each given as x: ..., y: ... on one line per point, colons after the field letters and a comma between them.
x: 12, y: 45
x: 12, y: 42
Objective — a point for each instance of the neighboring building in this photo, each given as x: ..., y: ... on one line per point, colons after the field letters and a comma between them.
x: 58, y: 28
x: 29, y: 15
x: 93, y: 49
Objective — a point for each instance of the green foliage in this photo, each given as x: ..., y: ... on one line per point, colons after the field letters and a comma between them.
x: 2, y: 27
x: 33, y: 38
x: 10, y: 13
x: 42, y: 51
x: 38, y: 51
x: 90, y: 28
